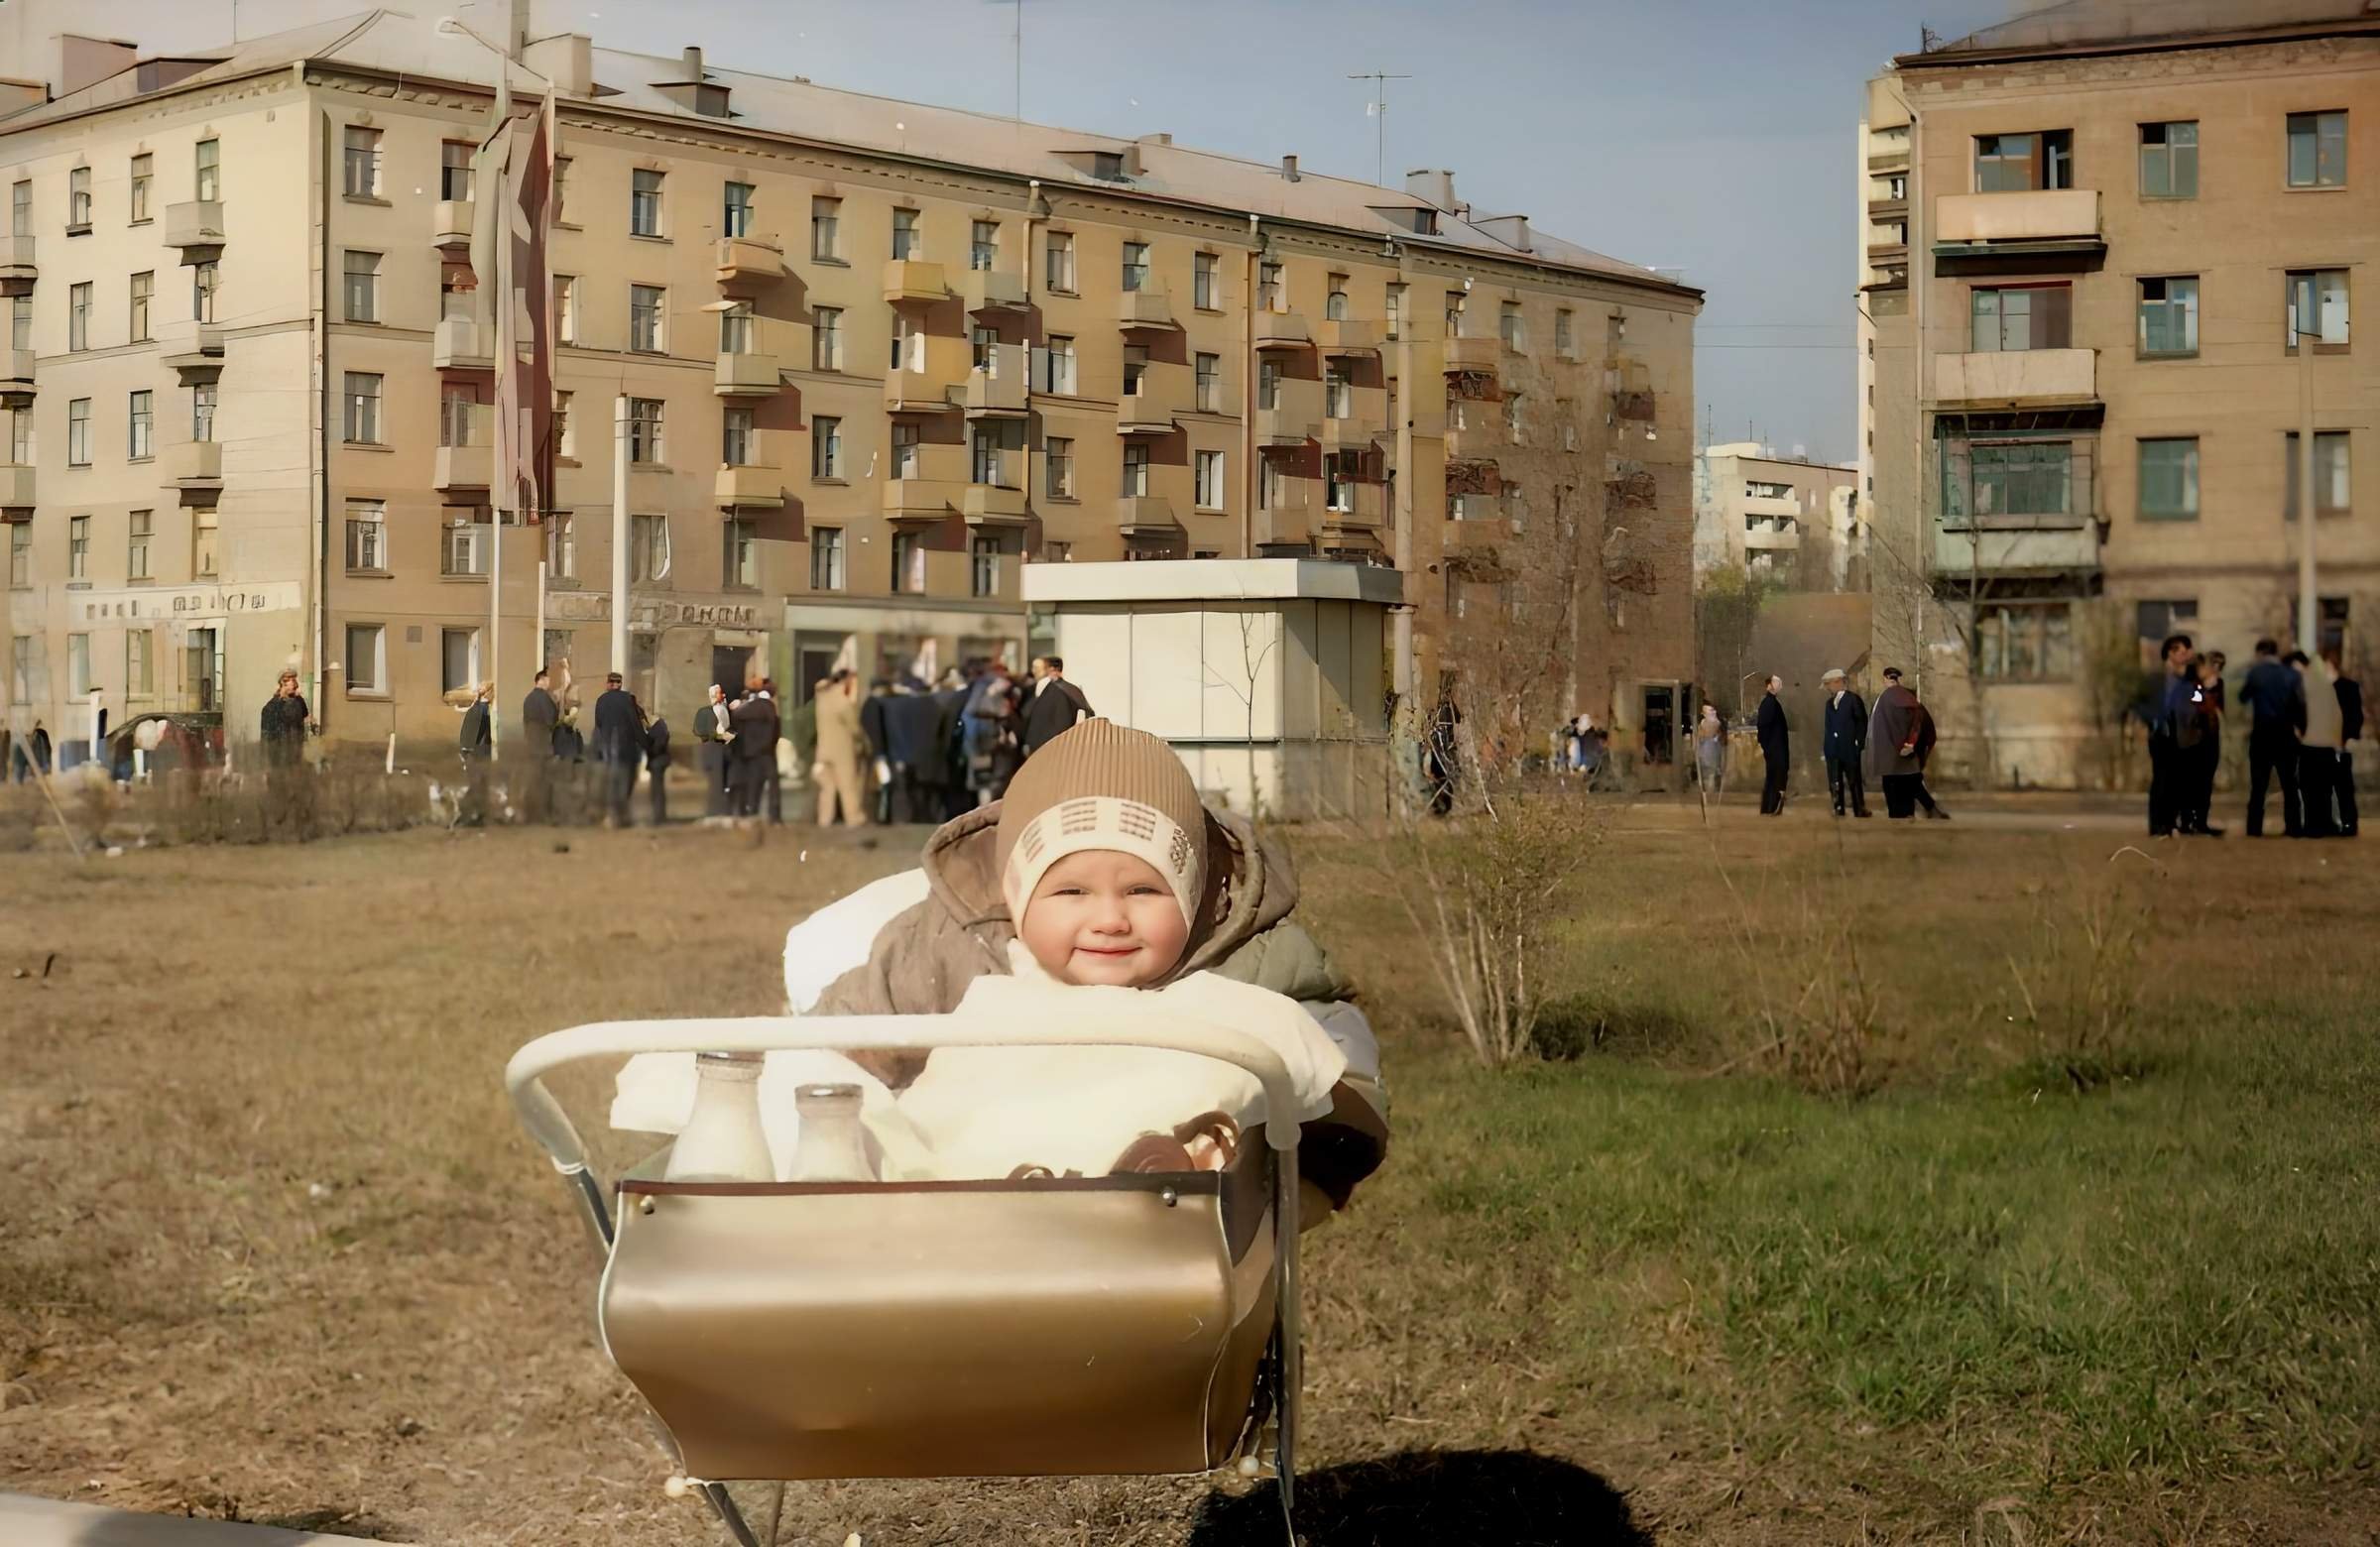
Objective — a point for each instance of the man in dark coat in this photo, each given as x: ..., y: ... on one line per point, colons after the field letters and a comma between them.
x: 751, y: 751
x: 2350, y: 731
x: 619, y: 747
x: 1057, y: 705
x: 913, y: 746
x: 711, y: 733
x: 656, y: 766
x: 2275, y: 698
x: 1775, y: 748
x: 1846, y: 743
x: 540, y: 714
x: 2177, y: 706
x: 1900, y: 738
x: 282, y: 726
x: 877, y: 729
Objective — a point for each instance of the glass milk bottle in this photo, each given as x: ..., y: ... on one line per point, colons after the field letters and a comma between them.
x: 832, y: 1147
x: 723, y: 1141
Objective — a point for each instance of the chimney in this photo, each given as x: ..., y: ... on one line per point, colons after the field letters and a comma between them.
x: 1511, y: 230
x: 693, y: 57
x: 565, y: 58
x: 1132, y: 160
x: 1289, y: 167
x: 1432, y: 186
x: 1156, y: 139
x: 83, y: 61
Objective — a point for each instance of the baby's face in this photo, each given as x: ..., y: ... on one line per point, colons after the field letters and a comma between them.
x: 1103, y: 917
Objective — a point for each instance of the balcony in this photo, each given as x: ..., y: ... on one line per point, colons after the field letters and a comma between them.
x: 195, y: 227
x: 16, y: 489
x: 2017, y: 376
x: 932, y: 375
x: 1286, y: 516
x: 1364, y: 511
x: 1349, y: 434
x: 748, y: 259
x: 464, y: 459
x: 1144, y: 513
x: 922, y: 497
x: 16, y: 272
x: 460, y: 344
x: 1282, y: 330
x: 1477, y: 442
x: 749, y: 483
x: 1145, y: 413
x: 193, y: 349
x: 16, y: 378
x: 998, y: 388
x: 194, y: 467
x: 1145, y: 307
x: 1348, y: 335
x: 1775, y: 536
x: 450, y: 221
x: 908, y: 279
x: 2016, y: 544
x: 2034, y: 222
x: 989, y: 289
x: 996, y: 497
x: 1469, y: 353
x: 746, y: 374
x: 1286, y: 427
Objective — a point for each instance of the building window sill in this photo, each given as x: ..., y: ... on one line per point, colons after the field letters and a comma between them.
x: 832, y: 263
x: 135, y: 461
x: 367, y: 695
x: 1066, y: 291
x: 367, y: 445
x: 1060, y: 499
x: 365, y: 198
x: 2314, y: 188
x: 144, y: 221
x: 2165, y: 354
x: 142, y: 580
x: 565, y: 461
x: 83, y: 229
x: 368, y: 574
x: 568, y: 225
x: 78, y: 585
x: 832, y: 483
x: 648, y: 236
x: 465, y: 579
x: 2289, y: 351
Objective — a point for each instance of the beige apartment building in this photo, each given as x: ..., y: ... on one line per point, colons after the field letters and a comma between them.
x: 1784, y: 517
x: 2088, y: 234
x: 876, y: 356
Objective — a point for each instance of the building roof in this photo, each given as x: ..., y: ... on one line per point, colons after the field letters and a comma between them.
x: 392, y: 43
x: 2120, y: 26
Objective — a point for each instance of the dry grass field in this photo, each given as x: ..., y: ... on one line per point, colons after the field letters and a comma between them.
x: 2093, y: 1256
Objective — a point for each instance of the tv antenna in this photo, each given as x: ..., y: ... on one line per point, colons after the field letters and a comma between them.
x: 1377, y: 107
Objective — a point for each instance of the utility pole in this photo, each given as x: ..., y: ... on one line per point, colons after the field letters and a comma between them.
x: 1379, y: 120
x: 2310, y: 623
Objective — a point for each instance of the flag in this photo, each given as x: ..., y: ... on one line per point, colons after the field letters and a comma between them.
x: 525, y: 394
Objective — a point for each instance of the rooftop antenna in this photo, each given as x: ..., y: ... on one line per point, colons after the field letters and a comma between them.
x: 1377, y: 107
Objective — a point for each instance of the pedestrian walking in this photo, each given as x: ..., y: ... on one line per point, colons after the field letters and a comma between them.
x: 841, y: 751
x: 1711, y: 752
x: 711, y: 733
x: 2317, y: 747
x: 1056, y: 707
x: 2176, y: 701
x: 477, y: 741
x: 751, y: 751
x: 282, y: 726
x: 540, y: 712
x: 2274, y: 698
x: 1776, y: 754
x: 1846, y: 743
x: 656, y: 766
x: 1900, y: 738
x: 618, y: 748
x: 2349, y: 694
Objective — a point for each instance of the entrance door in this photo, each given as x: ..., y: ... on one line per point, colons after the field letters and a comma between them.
x: 202, y: 669
x: 730, y: 665
x: 1660, y: 724
x: 812, y: 661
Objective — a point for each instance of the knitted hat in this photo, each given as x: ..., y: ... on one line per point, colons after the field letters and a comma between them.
x: 1102, y: 785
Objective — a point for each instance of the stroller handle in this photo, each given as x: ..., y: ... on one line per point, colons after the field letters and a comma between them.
x: 550, y: 1126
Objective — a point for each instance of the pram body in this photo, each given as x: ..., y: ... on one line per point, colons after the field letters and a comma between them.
x: 791, y: 1332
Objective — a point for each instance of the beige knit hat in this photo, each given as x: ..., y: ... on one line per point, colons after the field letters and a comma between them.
x: 1102, y: 785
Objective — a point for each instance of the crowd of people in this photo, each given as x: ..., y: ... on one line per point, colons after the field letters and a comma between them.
x: 2303, y: 712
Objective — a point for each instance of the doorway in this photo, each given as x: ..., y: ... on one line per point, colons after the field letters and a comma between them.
x: 1660, y: 724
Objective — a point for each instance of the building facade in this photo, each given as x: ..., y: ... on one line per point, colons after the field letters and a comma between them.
x: 2097, y: 241
x: 1784, y: 517
x: 865, y: 359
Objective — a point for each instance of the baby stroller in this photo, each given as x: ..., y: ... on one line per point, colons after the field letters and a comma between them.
x: 1053, y: 1326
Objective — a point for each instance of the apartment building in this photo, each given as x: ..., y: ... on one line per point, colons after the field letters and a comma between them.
x: 2096, y: 240
x: 874, y: 356
x: 1785, y: 517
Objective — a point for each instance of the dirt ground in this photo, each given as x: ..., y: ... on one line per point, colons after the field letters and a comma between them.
x: 278, y: 1251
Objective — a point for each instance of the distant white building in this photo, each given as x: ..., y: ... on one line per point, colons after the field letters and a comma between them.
x: 1757, y: 511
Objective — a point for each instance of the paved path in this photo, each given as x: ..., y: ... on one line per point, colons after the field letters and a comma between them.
x: 26, y: 1521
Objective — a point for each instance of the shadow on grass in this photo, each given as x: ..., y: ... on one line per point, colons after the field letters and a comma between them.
x: 1512, y: 1498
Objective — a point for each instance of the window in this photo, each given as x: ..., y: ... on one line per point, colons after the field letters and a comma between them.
x: 735, y: 438
x: 366, y: 667
x: 1135, y: 369
x: 1268, y: 384
x: 1059, y: 272
x: 983, y: 245
x: 20, y: 438
x: 1513, y: 417
x: 826, y: 339
x: 2168, y: 479
x: 20, y: 668
x: 1270, y: 294
x: 1339, y: 389
x: 909, y: 240
x: 205, y: 281
x: 909, y: 562
x: 1210, y: 383
x: 2331, y: 614
x: 140, y: 676
x: 202, y: 411
x: 78, y: 315
x: 2331, y: 483
x: 561, y: 192
x: 2012, y: 478
x: 2025, y: 642
x: 1273, y: 485
x: 462, y: 553
x: 362, y: 290
x: 20, y: 322
x: 367, y: 537
x: 1136, y: 264
x: 1202, y: 282
x: 2168, y: 161
x: 140, y: 436
x: 644, y: 202
x: 561, y: 545
x: 454, y: 171
x: 645, y: 331
x: 2317, y: 149
x: 2022, y: 318
x: 982, y: 557
x: 203, y: 542
x: 981, y: 340
x: 360, y: 164
x: 1339, y: 480
x: 2169, y: 316
x: 1058, y: 467
x: 1397, y: 308
x: 2318, y: 304
x: 1509, y: 325
x: 458, y: 659
x: 1135, y: 470
x: 2017, y: 163
x: 826, y: 446
x: 78, y: 433
x: 362, y: 408
x: 79, y: 664
x: 1210, y: 481
x: 78, y: 549
x: 907, y: 456
x: 735, y: 328
x: 987, y: 447
x: 2158, y: 620
x: 739, y: 554
x: 137, y: 528
x: 1454, y: 313
x: 826, y: 230
x: 735, y: 215
x: 1334, y: 301
x: 1056, y: 552
x: 826, y: 558
x: 648, y: 547
x: 20, y: 555
x: 908, y: 341
x: 644, y: 431
x: 78, y: 199
x: 1061, y: 366
x: 566, y: 309
x: 143, y: 286
x: 20, y: 210
x: 1563, y: 334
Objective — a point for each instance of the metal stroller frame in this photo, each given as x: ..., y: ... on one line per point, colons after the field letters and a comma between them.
x: 1276, y: 1381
